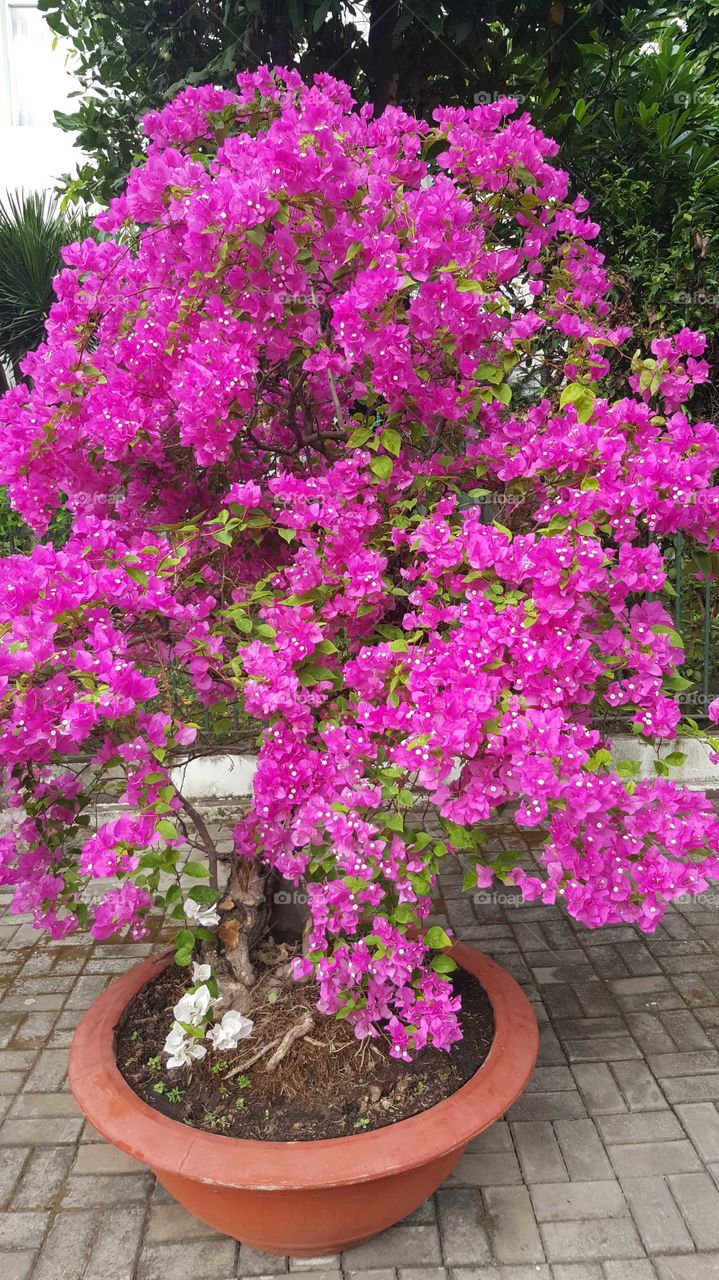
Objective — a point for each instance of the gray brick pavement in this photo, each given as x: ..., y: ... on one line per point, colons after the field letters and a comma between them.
x: 606, y: 1169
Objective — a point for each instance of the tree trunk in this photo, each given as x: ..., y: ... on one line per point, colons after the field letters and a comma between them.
x: 245, y: 910
x: 382, y: 17
x: 276, y: 25
x: 245, y: 914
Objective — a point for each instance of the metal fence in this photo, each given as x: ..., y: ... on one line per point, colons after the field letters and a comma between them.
x: 696, y: 618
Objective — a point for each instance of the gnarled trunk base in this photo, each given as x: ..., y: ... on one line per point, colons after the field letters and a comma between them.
x: 245, y: 915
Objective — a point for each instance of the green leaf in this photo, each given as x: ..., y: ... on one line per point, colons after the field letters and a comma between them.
x: 436, y: 938
x: 312, y: 673
x: 320, y: 14
x: 489, y: 373
x: 204, y: 935
x: 503, y: 392
x: 678, y: 683
x: 570, y: 394
x: 359, y: 437
x: 197, y: 1033
x: 627, y: 768
x: 443, y: 964
x: 582, y: 397
x: 596, y: 761
x: 461, y: 838
x: 203, y: 893
x: 167, y: 829
x: 381, y: 467
x: 404, y: 913
x: 558, y: 523
x: 196, y: 869
x: 391, y: 440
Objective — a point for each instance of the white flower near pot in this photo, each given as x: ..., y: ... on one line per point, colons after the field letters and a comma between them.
x: 194, y: 1006
x: 182, y: 1048
x: 227, y: 1033
x: 196, y: 913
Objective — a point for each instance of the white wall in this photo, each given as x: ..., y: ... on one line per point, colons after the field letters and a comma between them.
x: 229, y: 776
x: 35, y: 81
x: 697, y: 772
x: 216, y: 777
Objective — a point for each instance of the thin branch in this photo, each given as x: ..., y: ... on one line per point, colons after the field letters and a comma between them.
x: 208, y: 843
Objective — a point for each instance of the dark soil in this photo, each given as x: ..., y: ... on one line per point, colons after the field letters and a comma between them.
x: 329, y: 1084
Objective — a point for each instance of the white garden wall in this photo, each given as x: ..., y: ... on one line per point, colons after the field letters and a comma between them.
x: 216, y: 777
x: 697, y: 772
x: 224, y: 777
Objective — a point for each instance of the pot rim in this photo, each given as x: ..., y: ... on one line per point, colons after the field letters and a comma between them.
x: 172, y: 1148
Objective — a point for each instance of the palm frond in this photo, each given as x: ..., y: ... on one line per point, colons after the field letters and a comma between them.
x: 33, y: 230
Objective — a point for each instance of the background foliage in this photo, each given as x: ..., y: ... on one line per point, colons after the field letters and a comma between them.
x: 132, y: 56
x: 33, y: 229
x: 641, y: 139
x: 629, y: 92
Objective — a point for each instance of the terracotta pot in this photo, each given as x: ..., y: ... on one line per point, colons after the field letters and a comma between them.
x: 304, y: 1198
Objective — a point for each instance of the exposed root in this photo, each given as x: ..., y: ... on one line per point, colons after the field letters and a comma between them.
x: 250, y: 1062
x: 300, y: 1029
x: 288, y: 1031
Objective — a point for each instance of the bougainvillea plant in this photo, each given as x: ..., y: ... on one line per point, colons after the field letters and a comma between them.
x: 346, y: 434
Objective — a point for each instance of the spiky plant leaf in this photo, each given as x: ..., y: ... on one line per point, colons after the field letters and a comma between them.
x: 33, y: 230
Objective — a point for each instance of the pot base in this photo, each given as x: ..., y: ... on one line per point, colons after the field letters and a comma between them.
x: 307, y: 1228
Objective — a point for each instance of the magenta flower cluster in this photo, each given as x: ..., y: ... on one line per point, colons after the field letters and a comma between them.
x: 346, y: 431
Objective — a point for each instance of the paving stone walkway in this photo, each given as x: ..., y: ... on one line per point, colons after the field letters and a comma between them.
x: 607, y: 1168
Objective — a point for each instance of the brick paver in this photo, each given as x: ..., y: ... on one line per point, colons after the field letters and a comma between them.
x: 606, y: 1169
